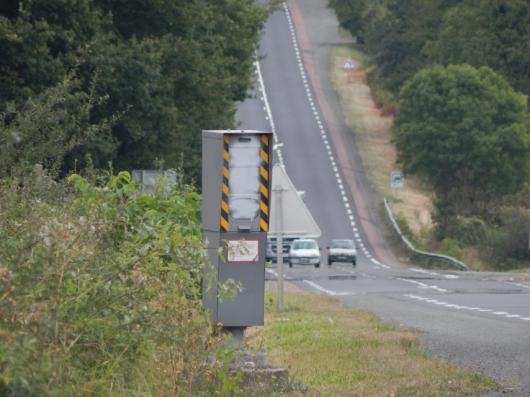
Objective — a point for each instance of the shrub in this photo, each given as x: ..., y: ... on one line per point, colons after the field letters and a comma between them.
x: 468, y: 230
x: 506, y: 244
x: 451, y: 248
x: 100, y: 292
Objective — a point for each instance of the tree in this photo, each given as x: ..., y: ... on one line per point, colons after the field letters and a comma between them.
x: 464, y: 131
x: 494, y: 33
x: 171, y: 68
x: 167, y: 69
x: 46, y: 127
x: 394, y: 32
x: 349, y: 13
x: 396, y: 36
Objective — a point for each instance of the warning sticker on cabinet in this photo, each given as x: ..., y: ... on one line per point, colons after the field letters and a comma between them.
x: 243, y: 250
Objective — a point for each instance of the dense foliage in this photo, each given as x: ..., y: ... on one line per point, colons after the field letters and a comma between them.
x: 100, y: 294
x: 405, y: 36
x: 155, y: 72
x: 463, y: 130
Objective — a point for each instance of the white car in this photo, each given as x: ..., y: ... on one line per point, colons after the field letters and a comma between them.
x: 304, y: 252
x: 342, y: 251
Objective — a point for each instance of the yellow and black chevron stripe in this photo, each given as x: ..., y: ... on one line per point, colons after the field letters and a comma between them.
x: 225, y: 224
x: 264, y: 183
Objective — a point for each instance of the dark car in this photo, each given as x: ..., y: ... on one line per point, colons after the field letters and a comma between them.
x: 342, y: 251
x: 271, y: 250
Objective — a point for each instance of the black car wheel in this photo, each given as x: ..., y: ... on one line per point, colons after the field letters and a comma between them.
x: 290, y: 264
x: 329, y: 263
x: 317, y: 264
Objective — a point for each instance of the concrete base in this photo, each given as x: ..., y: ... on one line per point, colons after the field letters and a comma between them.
x: 255, y: 370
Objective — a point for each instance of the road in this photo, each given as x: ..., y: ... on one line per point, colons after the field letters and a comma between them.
x: 478, y: 320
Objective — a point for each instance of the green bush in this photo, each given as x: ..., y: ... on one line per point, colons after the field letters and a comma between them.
x: 506, y: 244
x: 100, y: 292
x: 469, y: 230
x: 451, y: 248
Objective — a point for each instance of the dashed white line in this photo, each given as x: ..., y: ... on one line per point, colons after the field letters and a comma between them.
x: 323, y: 132
x: 469, y: 308
x: 423, y: 285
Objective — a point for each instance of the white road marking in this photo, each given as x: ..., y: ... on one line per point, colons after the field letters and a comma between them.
x: 327, y: 291
x: 267, y: 107
x: 380, y: 264
x: 521, y: 285
x: 459, y: 307
x: 448, y: 276
x: 423, y: 285
x: 415, y: 269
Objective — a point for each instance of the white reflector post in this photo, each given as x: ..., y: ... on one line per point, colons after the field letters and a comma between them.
x: 244, y: 166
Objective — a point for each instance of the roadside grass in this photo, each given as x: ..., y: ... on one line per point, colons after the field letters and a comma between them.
x: 372, y: 131
x: 337, y: 351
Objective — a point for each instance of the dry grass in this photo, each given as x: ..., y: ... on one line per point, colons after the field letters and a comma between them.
x: 373, y: 138
x: 336, y: 351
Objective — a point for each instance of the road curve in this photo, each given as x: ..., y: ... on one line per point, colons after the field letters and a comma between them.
x: 479, y: 320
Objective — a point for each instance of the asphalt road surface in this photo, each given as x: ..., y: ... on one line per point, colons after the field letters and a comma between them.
x: 478, y: 320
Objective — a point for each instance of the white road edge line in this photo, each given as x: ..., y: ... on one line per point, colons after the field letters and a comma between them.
x: 327, y: 291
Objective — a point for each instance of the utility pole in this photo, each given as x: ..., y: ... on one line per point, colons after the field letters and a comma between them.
x: 279, y: 244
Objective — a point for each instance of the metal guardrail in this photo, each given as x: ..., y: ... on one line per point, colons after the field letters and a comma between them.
x: 411, y: 247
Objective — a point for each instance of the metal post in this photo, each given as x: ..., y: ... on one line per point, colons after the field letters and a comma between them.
x: 279, y: 246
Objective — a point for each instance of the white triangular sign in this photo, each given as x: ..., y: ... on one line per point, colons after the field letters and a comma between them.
x: 296, y: 220
x: 348, y: 64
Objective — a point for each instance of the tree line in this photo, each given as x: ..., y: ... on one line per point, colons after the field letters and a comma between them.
x: 126, y: 82
x: 457, y: 74
x: 405, y: 36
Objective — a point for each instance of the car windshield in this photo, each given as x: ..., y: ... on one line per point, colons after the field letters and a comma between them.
x: 304, y: 245
x: 342, y: 244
